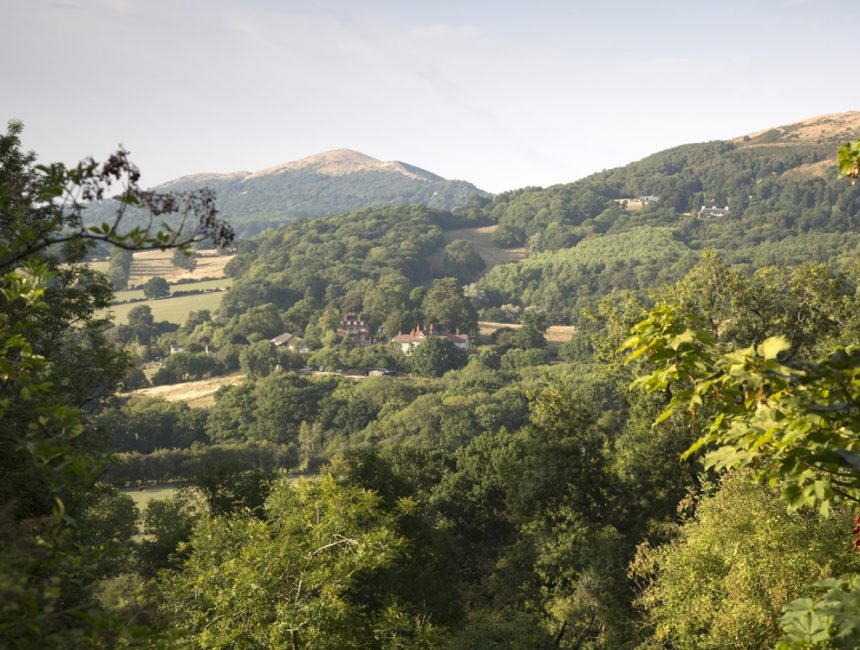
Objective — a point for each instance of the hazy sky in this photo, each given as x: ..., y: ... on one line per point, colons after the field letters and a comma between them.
x: 503, y: 94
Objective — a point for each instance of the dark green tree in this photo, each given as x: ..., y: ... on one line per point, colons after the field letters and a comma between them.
x: 119, y: 268
x: 259, y: 359
x: 462, y: 261
x: 156, y: 288
x: 54, y: 360
x: 435, y: 356
x: 446, y: 307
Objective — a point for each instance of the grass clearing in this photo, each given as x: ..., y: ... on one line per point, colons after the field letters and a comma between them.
x: 196, y: 394
x: 482, y: 239
x: 142, y: 496
x: 556, y: 335
x: 203, y: 285
x: 173, y: 310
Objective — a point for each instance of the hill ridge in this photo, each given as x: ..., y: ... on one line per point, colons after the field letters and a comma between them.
x: 334, y: 162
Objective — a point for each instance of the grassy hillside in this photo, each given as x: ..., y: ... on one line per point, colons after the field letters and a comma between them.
x: 482, y: 239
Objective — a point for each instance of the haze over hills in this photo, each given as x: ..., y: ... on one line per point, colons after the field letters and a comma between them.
x: 332, y: 182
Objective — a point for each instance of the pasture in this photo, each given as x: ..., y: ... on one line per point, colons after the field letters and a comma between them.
x: 142, y: 497
x: 196, y: 394
x: 203, y: 285
x: 173, y: 310
x: 556, y: 335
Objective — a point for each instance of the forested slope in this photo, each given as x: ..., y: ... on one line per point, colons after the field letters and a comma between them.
x: 684, y: 473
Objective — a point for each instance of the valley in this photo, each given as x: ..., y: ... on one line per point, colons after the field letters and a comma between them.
x: 535, y: 418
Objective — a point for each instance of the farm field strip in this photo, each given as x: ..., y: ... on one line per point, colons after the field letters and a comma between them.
x: 202, y: 285
x: 556, y: 335
x: 194, y: 393
x: 173, y: 310
x: 147, y: 264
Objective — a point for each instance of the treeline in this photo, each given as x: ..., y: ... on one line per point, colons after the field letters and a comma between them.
x: 169, y: 465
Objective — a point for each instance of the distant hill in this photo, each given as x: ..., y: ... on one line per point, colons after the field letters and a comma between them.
x: 567, y: 246
x: 775, y: 182
x: 833, y: 128
x: 776, y: 192
x: 333, y: 182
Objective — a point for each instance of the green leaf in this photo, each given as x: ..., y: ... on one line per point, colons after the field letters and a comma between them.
x: 771, y: 347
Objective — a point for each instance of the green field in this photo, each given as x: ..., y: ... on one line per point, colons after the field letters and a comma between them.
x: 142, y: 498
x: 134, y: 294
x: 173, y: 310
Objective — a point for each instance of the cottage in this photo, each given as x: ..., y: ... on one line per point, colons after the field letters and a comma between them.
x: 292, y: 342
x: 410, y: 341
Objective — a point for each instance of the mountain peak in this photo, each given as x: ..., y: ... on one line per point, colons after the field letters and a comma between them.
x: 341, y: 162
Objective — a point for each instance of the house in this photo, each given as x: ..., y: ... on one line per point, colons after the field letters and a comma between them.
x: 353, y: 326
x: 460, y: 340
x: 649, y: 198
x: 410, y: 341
x: 292, y: 342
x: 283, y: 339
x: 713, y: 212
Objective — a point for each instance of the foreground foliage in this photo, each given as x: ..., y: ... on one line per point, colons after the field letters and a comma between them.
x: 301, y: 578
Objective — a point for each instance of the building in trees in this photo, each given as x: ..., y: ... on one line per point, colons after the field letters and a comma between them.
x: 713, y: 212
x: 354, y: 327
x: 291, y: 342
x: 408, y: 342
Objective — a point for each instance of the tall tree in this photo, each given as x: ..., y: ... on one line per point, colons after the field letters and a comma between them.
x: 54, y: 361
x: 445, y: 306
x: 292, y: 580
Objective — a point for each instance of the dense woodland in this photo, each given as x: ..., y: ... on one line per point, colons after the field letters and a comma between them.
x: 683, y: 473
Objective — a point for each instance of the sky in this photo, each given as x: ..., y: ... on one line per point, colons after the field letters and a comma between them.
x: 502, y: 94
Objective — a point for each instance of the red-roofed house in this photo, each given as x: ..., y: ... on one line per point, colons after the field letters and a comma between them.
x: 413, y: 339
